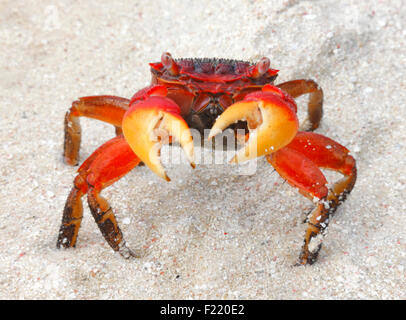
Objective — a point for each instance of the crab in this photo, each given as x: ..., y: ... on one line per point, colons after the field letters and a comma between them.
x: 202, y: 94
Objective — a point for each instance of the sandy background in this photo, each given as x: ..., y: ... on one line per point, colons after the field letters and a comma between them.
x: 210, y: 233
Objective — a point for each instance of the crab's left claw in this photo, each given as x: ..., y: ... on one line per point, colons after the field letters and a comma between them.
x: 271, y: 119
x: 152, y: 122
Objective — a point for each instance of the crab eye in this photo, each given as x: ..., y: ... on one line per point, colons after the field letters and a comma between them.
x: 166, y: 59
x: 169, y: 63
x: 261, y: 67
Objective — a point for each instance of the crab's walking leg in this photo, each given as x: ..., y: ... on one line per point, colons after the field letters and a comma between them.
x: 72, y: 217
x: 105, y: 108
x: 296, y: 88
x: 73, y: 211
x: 299, y: 164
x: 105, y: 166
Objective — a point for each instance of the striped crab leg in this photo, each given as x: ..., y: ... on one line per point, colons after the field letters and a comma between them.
x: 299, y: 163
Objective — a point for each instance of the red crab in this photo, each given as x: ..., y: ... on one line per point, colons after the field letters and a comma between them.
x: 201, y: 94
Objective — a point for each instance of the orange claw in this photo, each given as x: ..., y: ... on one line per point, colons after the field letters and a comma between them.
x: 271, y: 118
x: 149, y: 123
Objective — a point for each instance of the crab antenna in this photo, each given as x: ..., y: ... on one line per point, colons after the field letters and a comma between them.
x: 261, y: 67
x: 169, y: 64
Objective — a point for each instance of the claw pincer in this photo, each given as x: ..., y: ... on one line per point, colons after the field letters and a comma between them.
x: 150, y: 123
x: 271, y: 120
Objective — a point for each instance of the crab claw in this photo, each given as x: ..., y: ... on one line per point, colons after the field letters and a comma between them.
x: 271, y: 119
x: 150, y: 123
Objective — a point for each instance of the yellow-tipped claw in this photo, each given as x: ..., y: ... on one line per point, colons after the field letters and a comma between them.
x: 272, y: 123
x: 147, y: 127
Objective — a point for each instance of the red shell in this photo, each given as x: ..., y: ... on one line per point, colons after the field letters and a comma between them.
x: 213, y: 75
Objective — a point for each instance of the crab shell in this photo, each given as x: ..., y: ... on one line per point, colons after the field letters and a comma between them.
x: 198, y: 80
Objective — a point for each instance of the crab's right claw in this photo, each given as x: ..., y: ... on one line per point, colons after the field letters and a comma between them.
x: 271, y: 119
x: 150, y: 123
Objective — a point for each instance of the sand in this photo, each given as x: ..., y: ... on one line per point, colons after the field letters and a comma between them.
x: 211, y: 233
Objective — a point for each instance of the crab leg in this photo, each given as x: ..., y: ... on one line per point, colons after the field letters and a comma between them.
x: 271, y: 118
x: 299, y: 164
x: 105, y: 108
x: 296, y: 88
x: 150, y: 123
x: 73, y: 211
x: 105, y: 166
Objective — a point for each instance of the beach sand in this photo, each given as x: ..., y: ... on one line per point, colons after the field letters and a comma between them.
x: 211, y: 233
